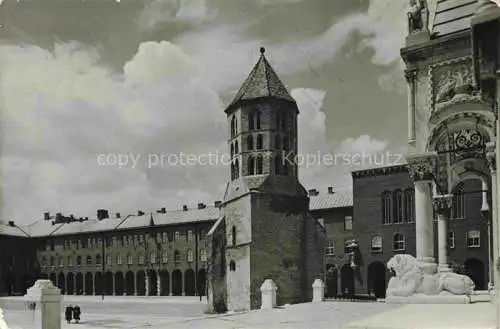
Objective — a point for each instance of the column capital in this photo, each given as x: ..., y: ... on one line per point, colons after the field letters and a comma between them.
x: 442, y: 204
x: 422, y: 167
x: 491, y: 156
x: 410, y: 74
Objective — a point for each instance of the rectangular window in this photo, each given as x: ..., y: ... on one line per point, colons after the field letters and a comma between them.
x: 376, y: 246
x: 141, y: 259
x: 164, y: 237
x: 177, y: 236
x: 119, y: 260
x: 474, y: 239
x: 348, y: 223
x: 109, y: 260
x: 190, y: 236
x: 203, y: 255
x: 451, y: 239
x: 330, y: 248
x: 190, y: 256
x: 129, y: 260
x: 153, y: 258
x: 347, y: 248
x: 164, y: 257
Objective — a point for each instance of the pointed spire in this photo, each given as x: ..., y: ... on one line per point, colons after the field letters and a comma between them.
x: 261, y: 82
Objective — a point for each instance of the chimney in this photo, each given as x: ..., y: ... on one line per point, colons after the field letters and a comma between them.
x: 81, y: 219
x: 201, y: 205
x: 102, y: 214
x: 140, y: 213
x: 58, y: 218
x: 46, y: 215
x: 217, y: 204
x: 53, y: 223
x: 117, y: 215
x: 184, y: 208
x: 330, y: 189
x: 11, y: 223
x: 71, y: 217
x: 162, y: 211
x: 86, y: 218
x: 313, y: 192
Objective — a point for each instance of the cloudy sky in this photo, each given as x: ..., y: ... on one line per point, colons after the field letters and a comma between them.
x: 83, y: 78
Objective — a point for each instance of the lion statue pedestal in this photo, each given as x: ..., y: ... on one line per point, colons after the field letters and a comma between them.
x: 411, y: 285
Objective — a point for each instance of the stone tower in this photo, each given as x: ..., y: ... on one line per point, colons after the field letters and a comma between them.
x: 268, y: 232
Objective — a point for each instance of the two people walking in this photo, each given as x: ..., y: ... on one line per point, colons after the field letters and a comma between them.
x: 72, y: 312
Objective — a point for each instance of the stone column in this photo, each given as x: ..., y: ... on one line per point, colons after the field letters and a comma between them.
x: 410, y: 75
x: 422, y: 168
x: 170, y: 285
x: 45, y: 302
x: 74, y: 286
x: 83, y: 286
x: 158, y: 283
x: 146, y: 283
x: 93, y: 285
x: 113, y: 292
x: 442, y: 206
x: 339, y: 282
x: 490, y: 148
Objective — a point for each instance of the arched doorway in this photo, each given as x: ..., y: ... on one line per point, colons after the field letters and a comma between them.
x: 153, y: 283
x: 347, y: 280
x: 98, y: 284
x: 189, y: 283
x: 70, y: 284
x: 164, y: 283
x: 474, y: 268
x: 89, y: 284
x: 129, y: 283
x: 177, y: 283
x: 79, y: 284
x: 140, y: 283
x: 61, y: 283
x: 108, y: 283
x: 331, y: 281
x: 202, y: 282
x: 376, y: 279
x: 119, y: 284
x: 53, y: 278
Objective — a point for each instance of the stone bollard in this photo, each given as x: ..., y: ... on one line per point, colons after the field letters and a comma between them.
x: 45, y: 301
x: 318, y: 291
x: 268, y: 292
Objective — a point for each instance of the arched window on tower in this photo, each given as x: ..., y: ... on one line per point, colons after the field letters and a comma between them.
x: 257, y: 120
x: 232, y: 150
x: 409, y: 206
x: 251, y: 165
x: 251, y: 122
x: 232, y: 171
x: 236, y: 169
x: 259, y: 164
x: 277, y: 164
x: 277, y: 142
x: 458, y: 208
x: 259, y: 142
x: 233, y: 126
x: 386, y: 208
x: 233, y: 236
x: 250, y: 142
x: 236, y: 148
x: 397, y: 196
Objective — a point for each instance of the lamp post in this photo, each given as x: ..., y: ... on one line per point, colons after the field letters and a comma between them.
x: 353, y: 247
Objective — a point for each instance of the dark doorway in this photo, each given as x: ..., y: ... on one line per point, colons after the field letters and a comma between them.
x: 189, y: 283
x: 331, y: 281
x: 79, y: 284
x: 153, y: 283
x: 129, y: 283
x: 177, y: 283
x: 376, y: 279
x: 98, y: 284
x: 347, y: 280
x: 61, y: 283
x: 164, y: 283
x: 119, y: 284
x: 89, y: 284
x: 53, y: 278
x: 474, y: 268
x: 108, y: 283
x: 70, y: 284
x: 202, y: 282
x: 140, y: 281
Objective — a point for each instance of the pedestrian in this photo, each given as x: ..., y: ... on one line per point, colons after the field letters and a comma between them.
x: 69, y: 313
x: 76, y: 313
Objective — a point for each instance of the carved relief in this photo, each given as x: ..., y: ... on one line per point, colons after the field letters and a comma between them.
x: 491, y: 156
x: 418, y: 14
x: 422, y: 168
x: 453, y: 80
x: 467, y: 143
x: 442, y: 204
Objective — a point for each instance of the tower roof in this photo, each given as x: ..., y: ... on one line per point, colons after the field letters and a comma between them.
x: 262, y: 82
x: 453, y: 16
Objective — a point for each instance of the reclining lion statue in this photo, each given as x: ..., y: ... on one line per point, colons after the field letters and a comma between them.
x: 3, y: 324
x: 410, y: 279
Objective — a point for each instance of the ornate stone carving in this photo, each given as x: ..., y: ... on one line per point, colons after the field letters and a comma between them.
x: 453, y: 80
x: 410, y: 75
x: 442, y: 204
x: 409, y: 279
x: 418, y: 16
x: 491, y: 156
x: 422, y: 167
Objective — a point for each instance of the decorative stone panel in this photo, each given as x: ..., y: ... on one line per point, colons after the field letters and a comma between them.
x: 422, y: 167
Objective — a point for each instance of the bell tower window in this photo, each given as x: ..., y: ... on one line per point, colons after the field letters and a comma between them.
x: 234, y: 124
x: 259, y: 142
x: 250, y: 142
x: 259, y: 165
x: 232, y: 150
x: 257, y: 120
x: 251, y: 165
x: 251, y: 122
x: 236, y: 148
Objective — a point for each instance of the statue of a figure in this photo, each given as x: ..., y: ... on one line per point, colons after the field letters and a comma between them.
x: 417, y: 16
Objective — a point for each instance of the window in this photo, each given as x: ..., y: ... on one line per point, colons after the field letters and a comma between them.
x: 119, y: 260
x: 109, y: 260
x: 409, y: 206
x: 203, y: 255
x: 152, y: 257
x: 114, y: 241
x: 164, y: 237
x: 250, y: 143
x: 130, y: 260
x: 232, y: 266
x: 232, y: 150
x: 78, y: 260
x: 458, y: 205
x: 376, y: 244
x: 251, y: 122
x: 61, y: 261
x: 259, y: 142
x: 259, y: 165
x: 348, y: 223
x: 177, y: 236
x: 398, y: 206
x: 89, y: 260
x: 473, y: 239
x: 347, y: 248
x: 190, y: 236
x: 141, y: 239
x: 234, y: 123
x: 202, y: 234
x: 233, y: 236
x: 177, y: 257
x: 98, y: 259
x: 330, y: 248
x: 257, y: 120
x: 141, y: 259
x: 386, y: 207
x: 52, y: 261
x: 164, y: 257
x: 235, y: 169
x: 251, y: 165
x: 190, y: 256
x: 398, y: 242
x: 451, y: 239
